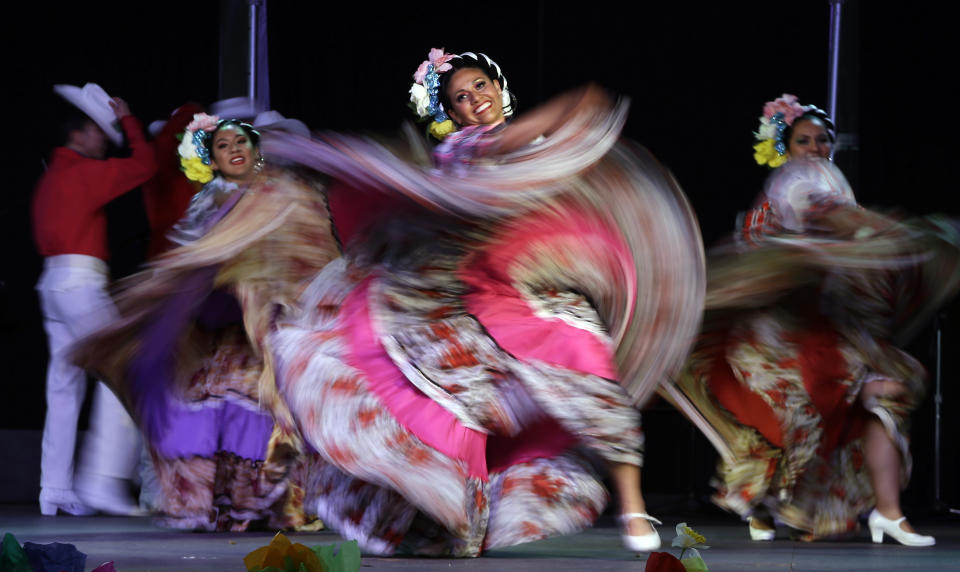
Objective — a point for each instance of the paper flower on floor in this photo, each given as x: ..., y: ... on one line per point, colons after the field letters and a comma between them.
x: 663, y: 562
x: 34, y: 557
x: 346, y: 559
x: 689, y: 539
x: 283, y: 555
x: 12, y: 556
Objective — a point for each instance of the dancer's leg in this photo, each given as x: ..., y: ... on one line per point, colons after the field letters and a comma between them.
x: 883, y: 461
x: 66, y: 385
x: 881, y: 454
x: 626, y: 480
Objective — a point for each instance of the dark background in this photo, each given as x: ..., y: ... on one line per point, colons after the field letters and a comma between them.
x: 697, y: 75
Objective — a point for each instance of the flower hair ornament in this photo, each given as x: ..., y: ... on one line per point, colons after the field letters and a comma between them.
x: 194, y: 148
x: 778, y: 116
x: 425, y: 91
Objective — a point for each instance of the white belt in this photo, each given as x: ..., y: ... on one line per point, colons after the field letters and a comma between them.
x: 76, y: 261
x: 68, y: 271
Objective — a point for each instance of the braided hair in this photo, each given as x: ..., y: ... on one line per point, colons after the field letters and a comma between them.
x: 483, y: 63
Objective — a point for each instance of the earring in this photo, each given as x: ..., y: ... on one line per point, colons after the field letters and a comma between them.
x: 258, y: 165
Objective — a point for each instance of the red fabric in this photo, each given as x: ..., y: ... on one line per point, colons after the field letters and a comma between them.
x: 167, y: 194
x: 357, y: 211
x: 748, y: 407
x: 758, y: 223
x: 823, y: 369
x: 68, y: 216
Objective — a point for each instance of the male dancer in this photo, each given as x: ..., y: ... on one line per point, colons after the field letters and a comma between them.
x: 70, y: 232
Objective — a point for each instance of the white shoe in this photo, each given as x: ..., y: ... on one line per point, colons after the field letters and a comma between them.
x: 641, y: 543
x: 760, y: 534
x: 64, y: 500
x: 880, y: 524
x: 108, y: 495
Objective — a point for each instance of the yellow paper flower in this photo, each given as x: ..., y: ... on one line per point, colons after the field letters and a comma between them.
x: 195, y: 170
x: 766, y: 154
x: 276, y: 553
x: 695, y: 536
x: 688, y: 539
x: 441, y: 130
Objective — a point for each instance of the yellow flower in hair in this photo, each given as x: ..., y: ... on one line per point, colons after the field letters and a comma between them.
x: 441, y: 130
x: 766, y: 154
x: 195, y: 170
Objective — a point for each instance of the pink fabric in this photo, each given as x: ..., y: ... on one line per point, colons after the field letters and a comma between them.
x: 508, y: 317
x: 422, y: 416
x: 513, y: 324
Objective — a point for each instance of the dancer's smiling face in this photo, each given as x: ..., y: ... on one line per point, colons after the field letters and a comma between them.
x: 809, y: 139
x: 474, y: 98
x: 233, y: 154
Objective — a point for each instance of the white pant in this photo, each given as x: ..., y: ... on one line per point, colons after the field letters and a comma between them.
x: 75, y: 303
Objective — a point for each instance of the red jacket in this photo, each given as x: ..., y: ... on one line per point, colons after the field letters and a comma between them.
x: 167, y: 194
x: 68, y: 216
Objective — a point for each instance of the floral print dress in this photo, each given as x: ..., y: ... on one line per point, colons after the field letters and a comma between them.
x: 797, y: 322
x: 189, y: 355
x: 452, y: 372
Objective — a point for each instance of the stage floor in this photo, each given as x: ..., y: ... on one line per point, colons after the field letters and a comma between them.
x: 136, y: 545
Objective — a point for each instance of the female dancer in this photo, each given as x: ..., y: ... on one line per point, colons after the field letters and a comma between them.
x: 796, y: 376
x: 453, y: 369
x: 189, y: 354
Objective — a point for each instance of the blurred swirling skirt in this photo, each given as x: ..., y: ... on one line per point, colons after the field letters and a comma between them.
x: 453, y: 419
x: 462, y: 365
x: 793, y: 331
x: 187, y: 358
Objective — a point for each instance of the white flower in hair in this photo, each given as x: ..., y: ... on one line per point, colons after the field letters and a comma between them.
x: 187, y: 149
x: 767, y: 130
x: 421, y: 99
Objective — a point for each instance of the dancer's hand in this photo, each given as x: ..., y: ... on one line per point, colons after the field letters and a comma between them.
x: 120, y: 107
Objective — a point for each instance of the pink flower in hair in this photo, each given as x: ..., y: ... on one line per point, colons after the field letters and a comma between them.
x: 439, y: 59
x: 203, y: 121
x: 787, y: 105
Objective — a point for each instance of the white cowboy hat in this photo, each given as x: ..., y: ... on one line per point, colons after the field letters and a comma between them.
x: 274, y: 120
x: 92, y: 100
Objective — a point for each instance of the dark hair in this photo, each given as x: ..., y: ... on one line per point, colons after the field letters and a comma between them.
x: 251, y: 133
x: 483, y: 63
x: 70, y: 121
x: 811, y: 112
